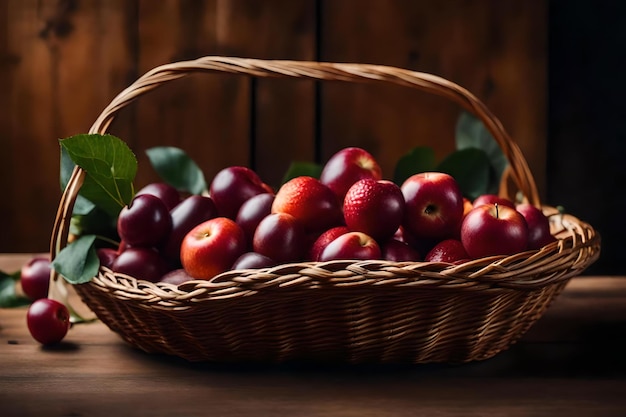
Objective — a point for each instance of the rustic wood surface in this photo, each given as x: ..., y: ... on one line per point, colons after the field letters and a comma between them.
x: 571, y: 363
x: 62, y: 61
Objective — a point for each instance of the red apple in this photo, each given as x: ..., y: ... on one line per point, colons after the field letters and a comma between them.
x: 48, y: 321
x: 232, y: 186
x: 538, y: 226
x: 253, y: 260
x: 397, y: 251
x: 449, y: 250
x: 323, y: 240
x: 281, y: 237
x: 373, y: 207
x: 348, y: 166
x: 491, y: 229
x: 492, y: 199
x: 351, y: 245
x: 35, y: 277
x: 252, y: 212
x: 434, y: 205
x: 311, y: 202
x: 212, y: 247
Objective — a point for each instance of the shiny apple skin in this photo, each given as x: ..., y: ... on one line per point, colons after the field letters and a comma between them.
x: 348, y: 166
x: 375, y: 208
x: 233, y: 186
x: 351, y: 245
x: 449, y: 251
x: 48, y: 321
x: 492, y: 199
x: 490, y: 230
x: 323, y: 240
x: 434, y: 205
x: 212, y: 247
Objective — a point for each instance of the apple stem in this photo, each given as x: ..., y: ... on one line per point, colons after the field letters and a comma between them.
x: 497, y: 212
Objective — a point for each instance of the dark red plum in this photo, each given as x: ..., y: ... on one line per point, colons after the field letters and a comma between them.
x: 253, y: 260
x: 233, y: 186
x: 167, y: 193
x: 141, y: 263
x: 281, y: 237
x: 397, y: 251
x: 252, y: 212
x: 145, y: 222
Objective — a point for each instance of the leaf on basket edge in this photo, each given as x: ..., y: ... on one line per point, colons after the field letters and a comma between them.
x: 78, y: 262
x: 177, y: 169
x: 82, y: 206
x: 110, y: 168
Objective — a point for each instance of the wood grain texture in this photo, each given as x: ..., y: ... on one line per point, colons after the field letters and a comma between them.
x: 495, y: 49
x: 62, y: 61
x: 570, y: 363
x: 64, y: 64
x: 206, y: 116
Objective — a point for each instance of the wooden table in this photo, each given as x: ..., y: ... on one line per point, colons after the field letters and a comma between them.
x: 571, y: 363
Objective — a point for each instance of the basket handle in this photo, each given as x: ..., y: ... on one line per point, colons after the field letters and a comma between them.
x: 520, y: 172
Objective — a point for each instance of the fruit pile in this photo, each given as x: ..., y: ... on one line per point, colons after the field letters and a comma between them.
x: 350, y: 212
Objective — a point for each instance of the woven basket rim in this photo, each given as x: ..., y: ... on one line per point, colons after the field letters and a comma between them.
x: 525, y: 271
x: 579, y: 245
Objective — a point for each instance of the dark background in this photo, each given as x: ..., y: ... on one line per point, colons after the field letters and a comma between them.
x: 586, y: 170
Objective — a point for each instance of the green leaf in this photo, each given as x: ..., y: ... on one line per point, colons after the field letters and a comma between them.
x: 419, y: 159
x: 297, y: 169
x: 110, y: 168
x: 176, y: 168
x: 470, y: 167
x: 82, y: 206
x: 8, y: 296
x: 471, y: 133
x: 78, y: 262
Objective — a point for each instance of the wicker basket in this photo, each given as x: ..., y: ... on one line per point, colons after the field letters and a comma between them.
x: 340, y: 311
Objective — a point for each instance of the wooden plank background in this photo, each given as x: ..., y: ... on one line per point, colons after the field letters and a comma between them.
x: 62, y: 61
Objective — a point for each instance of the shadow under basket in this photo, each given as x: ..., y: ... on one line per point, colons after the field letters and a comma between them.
x: 340, y: 311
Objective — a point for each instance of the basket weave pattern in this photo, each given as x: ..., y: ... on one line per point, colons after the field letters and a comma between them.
x: 344, y: 311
